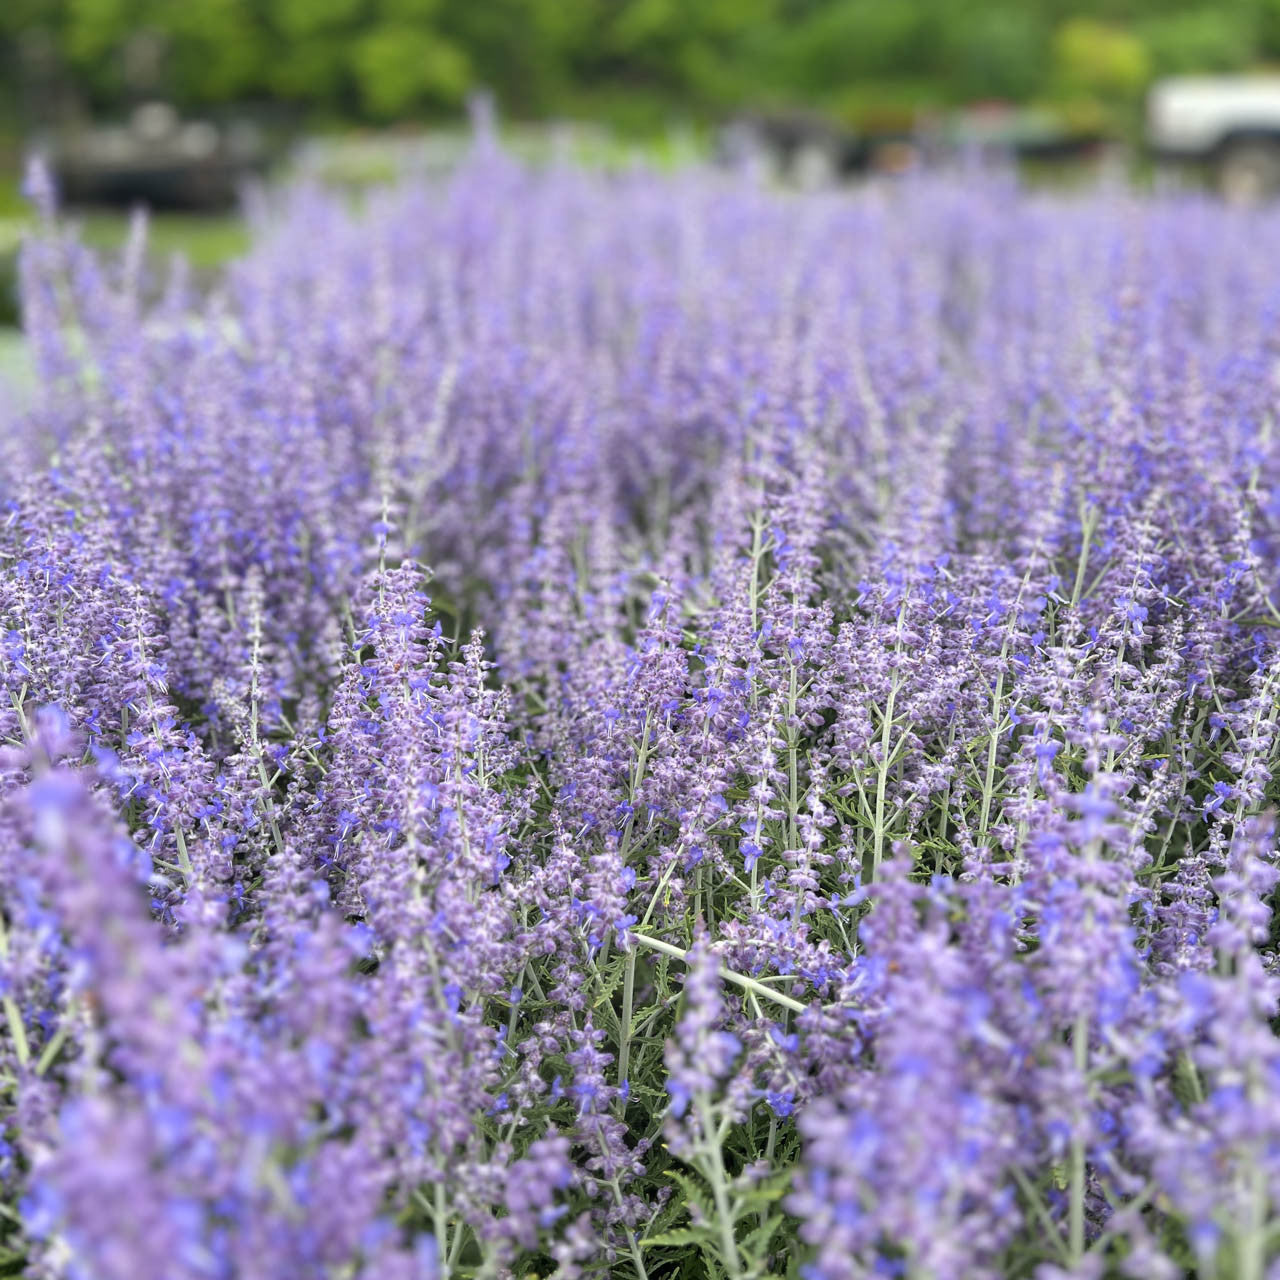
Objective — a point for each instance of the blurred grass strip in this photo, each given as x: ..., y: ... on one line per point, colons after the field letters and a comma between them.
x: 207, y: 241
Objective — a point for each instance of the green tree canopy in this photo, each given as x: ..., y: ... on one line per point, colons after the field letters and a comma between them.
x: 384, y: 59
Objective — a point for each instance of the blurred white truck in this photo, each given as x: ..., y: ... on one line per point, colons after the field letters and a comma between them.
x: 1230, y: 123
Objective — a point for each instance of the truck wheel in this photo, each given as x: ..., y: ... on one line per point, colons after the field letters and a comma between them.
x: 1249, y: 171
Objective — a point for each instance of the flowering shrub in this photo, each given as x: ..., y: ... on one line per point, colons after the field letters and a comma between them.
x: 811, y: 817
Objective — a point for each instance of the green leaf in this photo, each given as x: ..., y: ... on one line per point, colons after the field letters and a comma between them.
x: 755, y: 1243
x: 677, y: 1239
x: 693, y: 1193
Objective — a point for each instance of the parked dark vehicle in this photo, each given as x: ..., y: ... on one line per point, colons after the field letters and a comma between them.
x: 797, y: 147
x: 157, y: 158
x: 806, y: 150
x: 1000, y: 128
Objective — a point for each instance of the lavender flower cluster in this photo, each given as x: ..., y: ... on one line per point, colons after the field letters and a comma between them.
x: 577, y: 724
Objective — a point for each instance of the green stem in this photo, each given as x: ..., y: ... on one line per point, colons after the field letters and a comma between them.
x: 988, y: 785
x: 628, y: 1001
x: 442, y: 1231
x: 729, y: 975
x: 12, y: 1013
x: 1088, y: 522
x: 882, y: 778
x: 719, y: 1190
x: 1075, y: 1222
x: 1253, y: 1259
x: 50, y: 1051
x: 17, y: 1030
x: 1038, y: 1208
x: 184, y: 858
x: 632, y: 1243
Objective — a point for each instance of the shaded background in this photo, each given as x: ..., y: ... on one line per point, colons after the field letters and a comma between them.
x: 633, y: 64
x: 351, y: 76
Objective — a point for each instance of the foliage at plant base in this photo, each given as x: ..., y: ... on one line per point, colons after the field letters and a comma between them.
x: 624, y: 725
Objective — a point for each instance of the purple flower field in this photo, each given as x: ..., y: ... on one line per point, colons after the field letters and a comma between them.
x: 628, y: 725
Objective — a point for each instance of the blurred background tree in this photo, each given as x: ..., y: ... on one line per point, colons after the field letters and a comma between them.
x: 626, y: 61
x: 634, y: 66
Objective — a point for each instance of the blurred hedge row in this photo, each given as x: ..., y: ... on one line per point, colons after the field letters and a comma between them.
x: 624, y: 59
